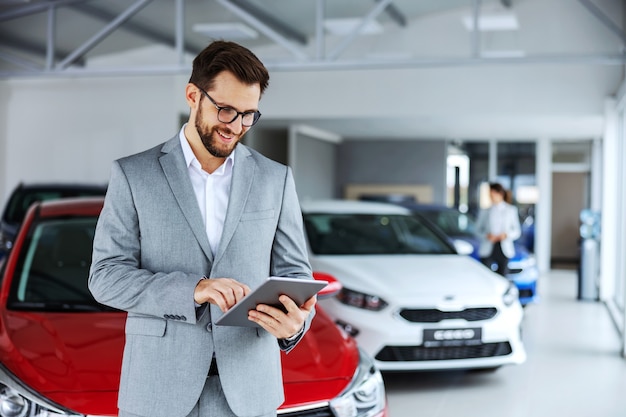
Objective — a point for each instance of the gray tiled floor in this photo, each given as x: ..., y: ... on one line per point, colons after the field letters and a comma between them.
x: 573, y: 368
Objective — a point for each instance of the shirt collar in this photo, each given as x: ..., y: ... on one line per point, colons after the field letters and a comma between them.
x: 190, y: 157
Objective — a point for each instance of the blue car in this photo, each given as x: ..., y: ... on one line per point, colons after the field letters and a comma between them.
x: 522, y: 267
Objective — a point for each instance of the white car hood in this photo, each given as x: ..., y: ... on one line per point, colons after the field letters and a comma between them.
x: 405, y: 278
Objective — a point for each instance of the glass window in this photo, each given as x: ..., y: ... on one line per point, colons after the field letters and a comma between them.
x: 370, y: 234
x: 53, y: 269
x: 23, y: 198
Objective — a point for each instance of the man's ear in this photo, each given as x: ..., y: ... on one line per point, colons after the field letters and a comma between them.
x: 192, y: 95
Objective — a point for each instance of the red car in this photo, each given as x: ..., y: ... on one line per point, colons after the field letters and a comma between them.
x: 61, y: 351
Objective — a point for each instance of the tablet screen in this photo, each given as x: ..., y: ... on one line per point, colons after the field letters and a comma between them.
x: 298, y: 289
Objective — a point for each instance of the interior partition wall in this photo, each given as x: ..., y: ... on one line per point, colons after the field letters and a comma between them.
x: 620, y: 286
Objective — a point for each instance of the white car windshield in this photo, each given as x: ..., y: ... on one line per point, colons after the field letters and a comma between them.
x: 372, y: 234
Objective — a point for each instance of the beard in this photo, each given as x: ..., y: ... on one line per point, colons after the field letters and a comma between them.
x: 207, y: 136
x: 211, y: 144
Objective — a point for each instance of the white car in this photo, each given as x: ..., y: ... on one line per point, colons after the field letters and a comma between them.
x: 410, y: 300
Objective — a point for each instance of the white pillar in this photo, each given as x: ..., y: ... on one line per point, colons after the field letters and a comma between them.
x: 543, y: 209
x: 610, y: 200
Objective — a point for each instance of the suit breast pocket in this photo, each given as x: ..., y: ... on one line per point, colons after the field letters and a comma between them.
x: 257, y: 215
x: 146, y: 326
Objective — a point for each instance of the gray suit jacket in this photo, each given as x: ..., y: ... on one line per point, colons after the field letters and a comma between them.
x: 150, y: 251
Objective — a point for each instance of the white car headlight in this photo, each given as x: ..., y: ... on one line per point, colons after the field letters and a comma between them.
x: 361, y: 300
x: 365, y: 396
x: 511, y: 295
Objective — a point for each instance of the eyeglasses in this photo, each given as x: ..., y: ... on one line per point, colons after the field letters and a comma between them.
x: 229, y: 115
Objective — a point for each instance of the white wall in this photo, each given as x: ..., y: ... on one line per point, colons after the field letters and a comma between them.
x: 71, y: 129
x: 463, y: 102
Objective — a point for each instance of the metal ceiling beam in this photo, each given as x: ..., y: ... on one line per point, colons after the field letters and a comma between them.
x: 144, y: 31
x: 599, y: 14
x: 51, y: 37
x: 377, y: 10
x: 366, y: 64
x: 270, y: 21
x: 30, y: 9
x: 29, y: 65
x: 476, y: 32
x: 320, y: 38
x: 264, y: 26
x: 180, y: 31
x: 103, y: 33
x: 354, y: 65
x: 10, y: 41
x: 395, y: 14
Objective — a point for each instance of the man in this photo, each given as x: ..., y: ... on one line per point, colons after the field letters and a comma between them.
x: 497, y: 228
x: 187, y: 228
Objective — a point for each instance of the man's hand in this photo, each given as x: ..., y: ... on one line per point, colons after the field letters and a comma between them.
x: 281, y: 324
x: 223, y: 292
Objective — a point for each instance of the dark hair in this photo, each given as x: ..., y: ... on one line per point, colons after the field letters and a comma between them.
x: 228, y: 56
x: 498, y: 188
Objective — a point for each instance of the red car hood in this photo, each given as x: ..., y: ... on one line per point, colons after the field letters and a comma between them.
x: 74, y: 359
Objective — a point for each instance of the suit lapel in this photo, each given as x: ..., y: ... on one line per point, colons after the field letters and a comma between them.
x: 243, y: 173
x: 174, y: 167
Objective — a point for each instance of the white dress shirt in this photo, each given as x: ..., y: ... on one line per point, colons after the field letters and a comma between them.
x: 212, y: 191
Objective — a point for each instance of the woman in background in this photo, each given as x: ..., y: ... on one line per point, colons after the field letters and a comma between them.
x: 497, y: 227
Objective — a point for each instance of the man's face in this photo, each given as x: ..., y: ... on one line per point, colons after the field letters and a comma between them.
x: 219, y: 138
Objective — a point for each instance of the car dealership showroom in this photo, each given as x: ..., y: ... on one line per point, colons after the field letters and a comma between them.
x: 395, y: 119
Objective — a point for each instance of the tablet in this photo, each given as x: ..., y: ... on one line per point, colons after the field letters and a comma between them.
x: 298, y: 289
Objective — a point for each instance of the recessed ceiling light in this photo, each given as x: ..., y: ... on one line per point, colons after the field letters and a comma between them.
x: 225, y: 30
x: 493, y: 22
x: 512, y: 53
x: 348, y: 25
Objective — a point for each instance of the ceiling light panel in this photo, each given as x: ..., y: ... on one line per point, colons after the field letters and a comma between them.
x: 492, y: 22
x: 225, y: 30
x: 346, y: 26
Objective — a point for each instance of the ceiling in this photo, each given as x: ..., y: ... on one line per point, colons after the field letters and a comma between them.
x: 44, y: 38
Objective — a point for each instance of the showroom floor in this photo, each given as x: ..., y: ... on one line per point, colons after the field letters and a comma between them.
x: 573, y: 368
